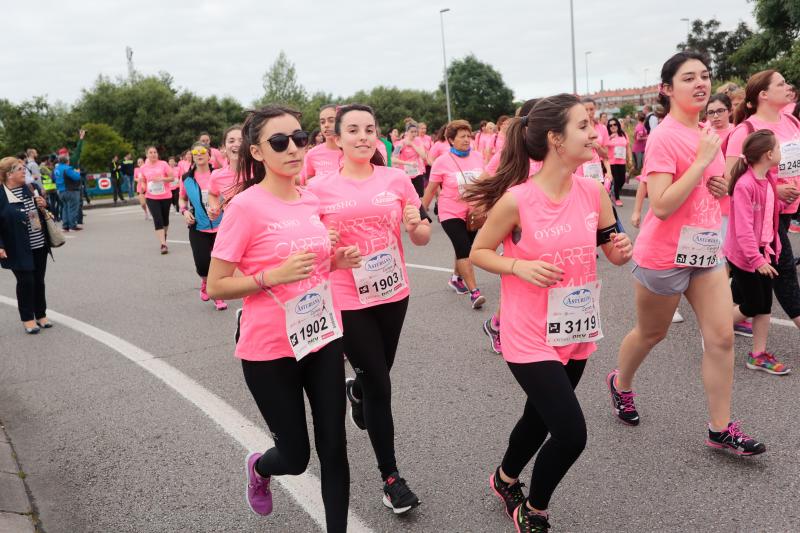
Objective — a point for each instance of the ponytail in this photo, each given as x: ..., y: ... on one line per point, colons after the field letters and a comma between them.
x: 739, y: 168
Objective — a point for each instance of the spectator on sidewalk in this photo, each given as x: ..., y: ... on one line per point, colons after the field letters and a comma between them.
x: 68, y: 183
x: 127, y: 173
x: 24, y: 242
x: 116, y: 179
x: 32, y: 172
x: 49, y: 187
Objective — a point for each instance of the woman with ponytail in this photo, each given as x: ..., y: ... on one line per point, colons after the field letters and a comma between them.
x: 290, y: 332
x: 550, y: 225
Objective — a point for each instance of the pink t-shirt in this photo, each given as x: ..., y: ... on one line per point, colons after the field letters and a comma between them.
x: 768, y: 230
x: 438, y: 148
x: 415, y: 164
x: 259, y: 232
x: 602, y: 134
x: 787, y: 131
x: 222, y: 179
x: 639, y: 137
x: 321, y: 160
x: 176, y: 179
x: 217, y: 159
x: 427, y: 142
x: 486, y: 142
x: 204, y: 181
x: 725, y: 201
x: 447, y: 171
x: 563, y: 234
x: 382, y: 149
x: 671, y: 149
x: 367, y: 213
x: 155, y: 189
x: 494, y: 164
x: 617, y: 146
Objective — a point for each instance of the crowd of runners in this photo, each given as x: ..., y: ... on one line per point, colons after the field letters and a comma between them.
x: 307, y: 230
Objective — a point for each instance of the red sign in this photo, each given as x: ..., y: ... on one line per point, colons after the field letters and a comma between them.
x: 103, y: 183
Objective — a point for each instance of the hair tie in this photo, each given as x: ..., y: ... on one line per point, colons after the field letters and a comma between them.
x: 743, y: 157
x: 525, y: 121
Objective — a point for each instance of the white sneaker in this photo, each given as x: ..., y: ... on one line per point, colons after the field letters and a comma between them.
x: 677, y: 318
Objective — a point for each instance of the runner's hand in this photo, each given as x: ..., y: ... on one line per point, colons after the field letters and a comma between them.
x: 767, y: 270
x: 538, y: 273
x: 623, y: 243
x: 788, y: 192
x: 188, y: 217
x: 349, y: 257
x: 334, y: 236
x: 411, y: 217
x: 636, y: 219
x: 708, y: 147
x: 3, y: 254
x: 297, y: 267
x: 717, y: 186
x: 213, y: 212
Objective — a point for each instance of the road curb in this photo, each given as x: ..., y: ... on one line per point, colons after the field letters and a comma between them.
x: 17, y: 512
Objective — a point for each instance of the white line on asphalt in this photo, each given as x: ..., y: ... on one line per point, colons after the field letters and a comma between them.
x: 782, y: 322
x: 120, y: 211
x: 178, y: 242
x: 305, y: 488
x: 428, y: 267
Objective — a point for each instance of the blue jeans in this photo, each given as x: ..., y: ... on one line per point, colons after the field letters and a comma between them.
x: 71, y: 204
x: 127, y: 180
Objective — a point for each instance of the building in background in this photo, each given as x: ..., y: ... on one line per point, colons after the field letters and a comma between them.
x: 610, y: 101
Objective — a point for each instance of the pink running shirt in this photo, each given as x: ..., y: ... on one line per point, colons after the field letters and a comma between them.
x: 563, y: 234
x: 222, y: 179
x: 151, y: 188
x: 494, y: 164
x: 617, y: 146
x: 439, y: 148
x: 407, y: 153
x: 366, y: 213
x: 445, y: 170
x: 671, y: 149
x: 258, y: 232
x: 321, y: 160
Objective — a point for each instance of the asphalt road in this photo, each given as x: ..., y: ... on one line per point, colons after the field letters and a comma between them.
x: 107, y: 446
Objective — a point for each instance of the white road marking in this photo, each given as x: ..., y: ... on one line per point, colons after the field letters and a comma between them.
x: 120, y: 211
x: 305, y: 488
x: 428, y: 267
x: 782, y: 322
x: 178, y: 242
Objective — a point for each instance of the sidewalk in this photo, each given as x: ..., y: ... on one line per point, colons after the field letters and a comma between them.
x: 16, y: 511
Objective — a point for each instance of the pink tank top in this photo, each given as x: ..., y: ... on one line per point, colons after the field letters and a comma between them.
x: 563, y: 234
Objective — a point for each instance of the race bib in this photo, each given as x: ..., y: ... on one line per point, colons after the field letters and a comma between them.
x: 311, y: 321
x: 155, y: 187
x: 204, y: 196
x: 698, y: 247
x: 789, y: 166
x: 593, y: 170
x: 380, y: 276
x: 33, y: 220
x: 466, y: 178
x: 175, y: 182
x: 411, y: 170
x: 620, y: 152
x: 573, y: 315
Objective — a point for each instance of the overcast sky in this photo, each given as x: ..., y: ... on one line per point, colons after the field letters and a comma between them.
x: 56, y: 48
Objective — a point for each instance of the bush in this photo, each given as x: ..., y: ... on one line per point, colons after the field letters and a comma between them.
x: 102, y: 142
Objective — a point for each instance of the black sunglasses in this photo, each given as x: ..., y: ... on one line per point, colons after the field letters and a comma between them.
x: 280, y: 141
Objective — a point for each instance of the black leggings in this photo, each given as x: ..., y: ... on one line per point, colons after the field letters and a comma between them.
x: 552, y: 407
x: 618, y: 173
x: 31, y: 301
x: 786, y: 288
x: 460, y: 237
x: 370, y: 342
x: 159, y: 210
x: 201, y: 243
x: 277, y: 387
x: 175, y: 203
x: 419, y: 184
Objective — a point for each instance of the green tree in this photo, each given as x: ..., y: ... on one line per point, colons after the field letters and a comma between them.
x: 102, y: 142
x: 718, y: 46
x: 393, y: 105
x: 281, y: 85
x: 477, y: 91
x: 33, y: 123
x: 626, y: 110
x: 775, y: 44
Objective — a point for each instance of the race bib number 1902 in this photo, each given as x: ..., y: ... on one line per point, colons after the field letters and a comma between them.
x: 311, y: 321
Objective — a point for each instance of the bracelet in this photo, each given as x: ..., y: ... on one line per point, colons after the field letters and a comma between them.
x: 184, y: 209
x: 514, y: 262
x: 259, y: 279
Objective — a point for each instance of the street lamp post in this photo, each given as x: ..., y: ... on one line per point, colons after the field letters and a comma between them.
x: 688, y: 28
x: 586, y: 59
x: 572, y: 34
x: 444, y: 58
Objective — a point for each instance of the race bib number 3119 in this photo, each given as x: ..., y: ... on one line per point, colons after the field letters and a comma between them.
x: 573, y: 314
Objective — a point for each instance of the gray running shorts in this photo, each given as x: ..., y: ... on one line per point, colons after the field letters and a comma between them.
x: 671, y: 281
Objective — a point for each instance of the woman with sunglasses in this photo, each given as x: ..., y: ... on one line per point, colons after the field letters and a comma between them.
x: 223, y: 179
x: 619, y: 156
x: 367, y: 203
x: 290, y: 332
x: 154, y: 178
x: 194, y: 198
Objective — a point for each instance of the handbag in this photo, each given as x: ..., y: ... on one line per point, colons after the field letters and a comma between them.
x: 56, y: 235
x: 475, y: 218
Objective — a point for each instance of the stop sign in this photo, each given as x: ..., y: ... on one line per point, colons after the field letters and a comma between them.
x: 103, y: 183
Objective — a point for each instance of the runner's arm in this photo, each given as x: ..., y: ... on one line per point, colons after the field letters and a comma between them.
x: 501, y: 221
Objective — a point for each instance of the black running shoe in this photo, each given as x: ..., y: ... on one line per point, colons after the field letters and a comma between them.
x: 622, y: 402
x: 356, y: 406
x: 527, y: 521
x: 735, y: 440
x: 397, y: 496
x: 510, y: 495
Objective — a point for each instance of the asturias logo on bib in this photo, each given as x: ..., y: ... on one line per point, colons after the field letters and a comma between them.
x: 384, y: 198
x: 707, y: 238
x: 579, y: 298
x: 308, y: 303
x: 379, y: 262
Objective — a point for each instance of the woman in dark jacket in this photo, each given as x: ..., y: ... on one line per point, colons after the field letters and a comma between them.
x: 24, y: 243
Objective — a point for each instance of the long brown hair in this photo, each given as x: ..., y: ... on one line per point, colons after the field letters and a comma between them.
x: 526, y: 138
x: 755, y: 84
x: 250, y: 172
x: 754, y: 147
x: 341, y: 111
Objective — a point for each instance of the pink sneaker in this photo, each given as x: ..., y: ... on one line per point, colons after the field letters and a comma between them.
x: 259, y: 497
x: 203, y: 294
x: 220, y: 305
